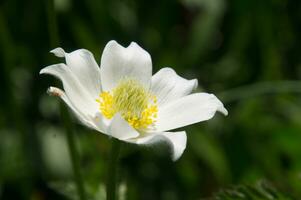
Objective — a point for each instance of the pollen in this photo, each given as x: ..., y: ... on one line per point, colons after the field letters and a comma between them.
x: 133, y: 101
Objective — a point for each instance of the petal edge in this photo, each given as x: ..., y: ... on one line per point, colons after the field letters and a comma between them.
x: 176, y: 140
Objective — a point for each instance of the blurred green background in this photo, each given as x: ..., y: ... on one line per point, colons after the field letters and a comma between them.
x: 246, y: 52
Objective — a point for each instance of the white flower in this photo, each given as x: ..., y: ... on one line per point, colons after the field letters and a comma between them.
x: 122, y: 99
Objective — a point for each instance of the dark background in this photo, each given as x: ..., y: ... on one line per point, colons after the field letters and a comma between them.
x: 246, y: 52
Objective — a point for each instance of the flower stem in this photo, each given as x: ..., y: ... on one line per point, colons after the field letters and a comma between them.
x: 54, y: 42
x: 112, y: 169
x: 73, y: 152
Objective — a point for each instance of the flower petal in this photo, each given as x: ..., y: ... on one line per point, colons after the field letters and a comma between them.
x: 168, y: 86
x: 75, y: 92
x: 84, y: 119
x: 176, y: 140
x: 83, y: 65
x: 101, y: 124
x: 120, y: 129
x: 118, y: 62
x: 188, y: 110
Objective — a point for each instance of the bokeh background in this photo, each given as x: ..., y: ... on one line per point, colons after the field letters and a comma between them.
x: 246, y: 52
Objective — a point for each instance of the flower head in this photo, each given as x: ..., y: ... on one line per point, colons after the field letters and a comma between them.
x: 122, y: 99
x: 134, y: 102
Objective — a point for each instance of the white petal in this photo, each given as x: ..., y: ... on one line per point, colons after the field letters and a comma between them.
x: 96, y: 122
x: 59, y: 52
x: 120, y: 129
x: 83, y: 65
x: 82, y: 117
x: 76, y: 93
x: 176, y: 141
x: 118, y: 62
x: 188, y: 110
x: 101, y: 124
x: 168, y: 86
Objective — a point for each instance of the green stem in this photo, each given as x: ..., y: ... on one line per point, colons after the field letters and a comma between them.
x: 112, y: 170
x: 54, y: 42
x: 73, y: 152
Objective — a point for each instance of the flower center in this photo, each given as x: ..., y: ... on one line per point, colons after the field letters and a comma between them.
x: 135, y: 104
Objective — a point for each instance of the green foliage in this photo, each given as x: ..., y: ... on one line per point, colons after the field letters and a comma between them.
x: 261, y: 191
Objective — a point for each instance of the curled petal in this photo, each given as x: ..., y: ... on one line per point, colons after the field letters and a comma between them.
x: 83, y: 65
x: 188, y: 110
x: 168, y: 86
x: 118, y: 62
x: 84, y: 119
x: 176, y: 141
x: 76, y: 93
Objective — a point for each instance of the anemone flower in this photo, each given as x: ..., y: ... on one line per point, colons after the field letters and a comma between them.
x: 122, y: 99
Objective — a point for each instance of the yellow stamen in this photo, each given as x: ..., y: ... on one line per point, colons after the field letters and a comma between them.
x: 135, y: 104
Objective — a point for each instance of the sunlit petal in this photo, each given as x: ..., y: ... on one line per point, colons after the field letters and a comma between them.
x: 188, y: 110
x: 118, y: 62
